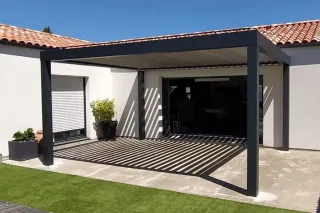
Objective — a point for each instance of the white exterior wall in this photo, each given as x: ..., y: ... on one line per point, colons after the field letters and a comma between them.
x: 304, y: 97
x: 272, y: 106
x: 125, y: 93
x: 98, y: 85
x: 272, y: 126
x: 20, y: 95
x: 20, y: 90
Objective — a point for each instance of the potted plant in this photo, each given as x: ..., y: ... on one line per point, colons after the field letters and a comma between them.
x: 24, y: 146
x: 103, y: 111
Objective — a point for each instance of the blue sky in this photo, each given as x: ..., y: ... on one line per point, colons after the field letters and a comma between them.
x: 104, y: 20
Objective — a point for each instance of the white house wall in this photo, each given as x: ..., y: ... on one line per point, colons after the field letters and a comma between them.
x: 20, y: 95
x: 20, y: 90
x: 125, y: 93
x: 272, y: 125
x: 272, y: 106
x: 304, y: 97
x: 98, y: 85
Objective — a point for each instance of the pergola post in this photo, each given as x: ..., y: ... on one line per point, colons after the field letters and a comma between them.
x: 253, y: 120
x: 47, y: 141
x: 286, y: 104
x: 141, y: 105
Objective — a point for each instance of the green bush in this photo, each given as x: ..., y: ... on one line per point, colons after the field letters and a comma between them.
x: 103, y: 110
x: 27, y: 135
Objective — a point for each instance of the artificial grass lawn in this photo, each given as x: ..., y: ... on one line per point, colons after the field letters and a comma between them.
x: 55, y: 192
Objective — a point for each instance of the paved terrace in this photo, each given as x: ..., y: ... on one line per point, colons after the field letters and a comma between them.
x: 209, y: 167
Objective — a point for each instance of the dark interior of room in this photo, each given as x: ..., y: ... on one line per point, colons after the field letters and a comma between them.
x: 209, y: 106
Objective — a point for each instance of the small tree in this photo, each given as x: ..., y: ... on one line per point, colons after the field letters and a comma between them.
x: 103, y: 110
x: 47, y: 30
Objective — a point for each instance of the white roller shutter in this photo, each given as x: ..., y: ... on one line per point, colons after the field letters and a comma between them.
x: 67, y: 103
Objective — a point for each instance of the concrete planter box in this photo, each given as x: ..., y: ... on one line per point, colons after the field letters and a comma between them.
x: 21, y: 151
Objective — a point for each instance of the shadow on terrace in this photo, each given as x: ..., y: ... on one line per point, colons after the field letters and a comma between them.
x: 197, y: 157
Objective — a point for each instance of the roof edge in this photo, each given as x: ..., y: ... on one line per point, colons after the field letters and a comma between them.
x: 37, y: 31
x: 84, y: 43
x: 227, y: 30
x: 287, y: 23
x: 24, y: 45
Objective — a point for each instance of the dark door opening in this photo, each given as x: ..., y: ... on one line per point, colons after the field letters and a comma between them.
x: 207, y: 106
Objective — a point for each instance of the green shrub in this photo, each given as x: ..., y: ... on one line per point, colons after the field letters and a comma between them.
x: 103, y: 110
x: 27, y: 135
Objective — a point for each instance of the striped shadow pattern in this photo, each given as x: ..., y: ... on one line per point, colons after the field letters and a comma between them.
x: 213, y: 138
x: 197, y: 158
x: 6, y: 207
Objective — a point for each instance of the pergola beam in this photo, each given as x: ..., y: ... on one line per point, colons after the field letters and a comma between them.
x: 205, y: 42
x: 96, y: 64
x: 268, y: 48
x: 271, y: 63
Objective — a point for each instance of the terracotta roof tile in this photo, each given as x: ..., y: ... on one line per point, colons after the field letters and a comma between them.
x: 311, y: 32
x: 292, y: 33
x: 36, y: 38
x: 279, y: 34
x: 316, y: 36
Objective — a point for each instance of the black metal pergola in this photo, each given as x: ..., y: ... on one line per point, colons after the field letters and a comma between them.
x: 126, y: 54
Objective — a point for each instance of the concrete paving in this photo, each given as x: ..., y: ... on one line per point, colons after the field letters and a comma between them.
x: 288, y: 180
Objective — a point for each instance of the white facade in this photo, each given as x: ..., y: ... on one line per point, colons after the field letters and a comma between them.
x: 304, y: 97
x: 20, y: 95
x: 125, y: 94
x: 20, y: 90
x: 272, y: 125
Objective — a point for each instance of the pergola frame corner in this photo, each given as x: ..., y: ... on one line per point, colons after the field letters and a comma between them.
x: 253, y: 40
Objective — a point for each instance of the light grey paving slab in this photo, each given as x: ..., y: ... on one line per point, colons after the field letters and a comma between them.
x: 288, y: 180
